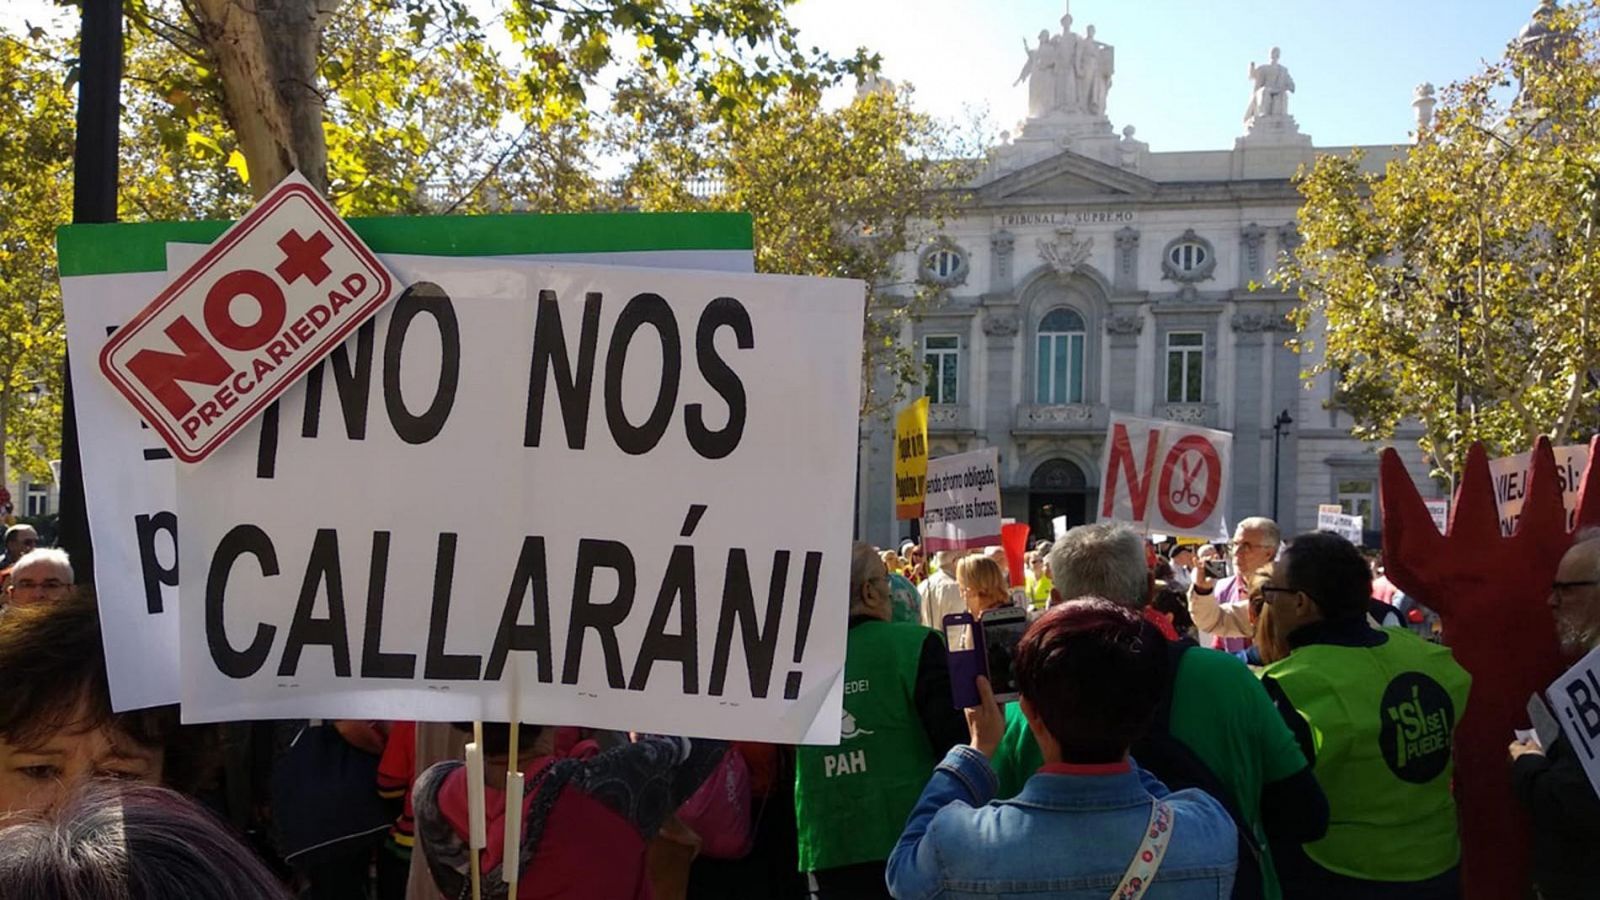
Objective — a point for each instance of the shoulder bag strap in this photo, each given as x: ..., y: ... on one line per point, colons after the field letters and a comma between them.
x: 1147, y: 859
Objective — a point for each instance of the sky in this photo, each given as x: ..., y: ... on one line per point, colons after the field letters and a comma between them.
x: 1181, y: 65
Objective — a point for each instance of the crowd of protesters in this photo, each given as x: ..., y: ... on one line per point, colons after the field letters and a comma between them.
x: 1269, y: 718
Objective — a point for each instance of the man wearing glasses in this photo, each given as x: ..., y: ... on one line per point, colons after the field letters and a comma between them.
x: 1222, y: 608
x: 1375, y: 710
x: 1550, y: 781
x: 42, y: 576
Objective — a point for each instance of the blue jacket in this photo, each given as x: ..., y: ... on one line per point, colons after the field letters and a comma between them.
x: 1065, y: 836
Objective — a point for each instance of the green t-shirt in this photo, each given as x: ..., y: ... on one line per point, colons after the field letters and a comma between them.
x: 1219, y: 711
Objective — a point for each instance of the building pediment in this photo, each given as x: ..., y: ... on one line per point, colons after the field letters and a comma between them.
x: 1066, y: 176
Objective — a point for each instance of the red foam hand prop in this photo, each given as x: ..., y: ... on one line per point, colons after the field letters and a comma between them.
x: 1491, y: 595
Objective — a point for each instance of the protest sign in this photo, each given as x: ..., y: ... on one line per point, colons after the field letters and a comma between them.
x: 962, y: 510
x: 109, y: 272
x: 910, y: 459
x: 1331, y: 517
x: 1439, y: 510
x: 195, y: 371
x: 1511, y: 475
x: 1189, y: 488
x: 1575, y: 698
x: 629, y: 486
x: 1059, y: 526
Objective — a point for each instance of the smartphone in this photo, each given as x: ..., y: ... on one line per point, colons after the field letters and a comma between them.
x: 1216, y: 569
x: 1001, y: 630
x: 965, y: 652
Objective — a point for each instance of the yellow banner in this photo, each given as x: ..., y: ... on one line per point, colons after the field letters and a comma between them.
x: 911, y: 460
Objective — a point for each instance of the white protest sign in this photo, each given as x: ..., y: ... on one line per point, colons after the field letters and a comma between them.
x: 1186, y: 495
x: 631, y: 486
x: 962, y: 509
x: 1332, y: 517
x: 198, y: 362
x: 1439, y: 510
x: 1575, y: 697
x: 1511, y: 475
x: 109, y: 274
x: 1059, y: 526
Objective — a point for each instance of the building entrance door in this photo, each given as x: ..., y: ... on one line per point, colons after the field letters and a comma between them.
x: 1057, y: 488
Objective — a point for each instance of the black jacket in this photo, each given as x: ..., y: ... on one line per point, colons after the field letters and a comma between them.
x: 1566, y: 821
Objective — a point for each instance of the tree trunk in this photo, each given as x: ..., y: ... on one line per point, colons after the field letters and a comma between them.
x: 266, y: 55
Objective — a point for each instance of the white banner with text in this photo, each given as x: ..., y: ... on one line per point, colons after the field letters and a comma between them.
x: 625, y: 489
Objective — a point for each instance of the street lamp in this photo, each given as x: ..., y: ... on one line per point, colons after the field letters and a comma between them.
x: 1279, y: 426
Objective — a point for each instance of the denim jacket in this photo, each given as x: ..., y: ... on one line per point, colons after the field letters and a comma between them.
x: 1066, y: 836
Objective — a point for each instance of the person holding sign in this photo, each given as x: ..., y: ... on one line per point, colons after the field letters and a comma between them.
x: 851, y: 800
x: 1090, y: 816
x: 586, y: 816
x: 1550, y: 781
x: 1375, y: 710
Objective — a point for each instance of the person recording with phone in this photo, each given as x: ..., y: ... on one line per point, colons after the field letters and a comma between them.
x: 1221, y: 605
x: 1090, y: 817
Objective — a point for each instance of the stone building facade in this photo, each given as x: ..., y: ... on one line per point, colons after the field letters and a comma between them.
x: 1088, y: 274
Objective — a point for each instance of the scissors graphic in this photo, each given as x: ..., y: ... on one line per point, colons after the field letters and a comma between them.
x: 1185, y: 495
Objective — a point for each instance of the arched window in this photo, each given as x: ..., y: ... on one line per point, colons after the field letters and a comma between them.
x: 1059, y: 365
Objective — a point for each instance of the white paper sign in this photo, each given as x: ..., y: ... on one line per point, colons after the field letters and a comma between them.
x: 1511, y: 475
x: 1331, y: 517
x: 1059, y: 526
x: 1440, y: 511
x: 1163, y: 476
x: 280, y: 289
x: 128, y: 473
x: 1575, y: 697
x: 630, y: 487
x: 962, y: 509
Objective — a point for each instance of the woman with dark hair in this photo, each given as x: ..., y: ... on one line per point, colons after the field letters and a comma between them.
x: 56, y: 725
x: 118, y: 841
x: 1090, y: 823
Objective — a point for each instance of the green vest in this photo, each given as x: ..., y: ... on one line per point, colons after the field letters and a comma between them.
x: 1381, y: 720
x: 851, y: 801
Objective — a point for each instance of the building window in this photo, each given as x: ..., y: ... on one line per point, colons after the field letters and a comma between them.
x: 1186, y: 352
x: 943, y: 264
x: 1188, y: 258
x: 37, y: 501
x: 1060, y: 361
x: 941, y: 357
x: 1357, y: 498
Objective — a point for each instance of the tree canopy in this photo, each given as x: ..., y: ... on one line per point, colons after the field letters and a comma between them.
x: 1458, y: 286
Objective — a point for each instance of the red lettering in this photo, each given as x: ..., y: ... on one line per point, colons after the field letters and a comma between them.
x: 191, y: 426
x: 243, y: 388
x: 209, y: 412
x: 219, y: 309
x: 1122, y: 463
x: 319, y: 315
x: 336, y: 300
x: 301, y: 329
x: 354, y: 283
x: 277, y: 351
x: 262, y: 367
x: 1190, y: 458
x: 160, y: 371
x: 225, y: 398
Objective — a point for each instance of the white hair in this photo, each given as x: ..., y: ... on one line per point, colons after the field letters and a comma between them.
x: 43, y: 555
x: 1101, y: 560
x: 1263, y: 524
